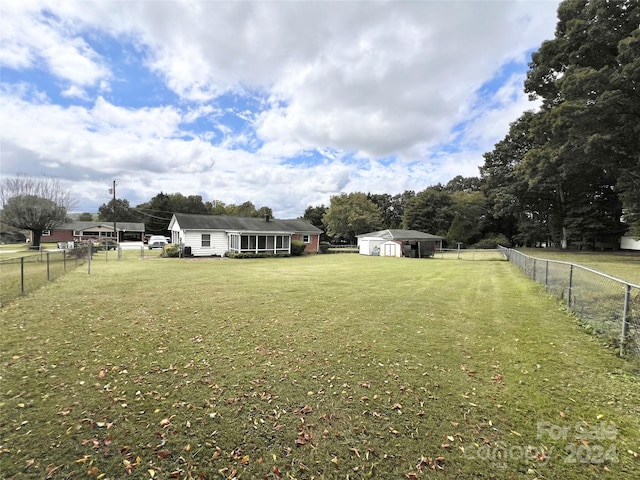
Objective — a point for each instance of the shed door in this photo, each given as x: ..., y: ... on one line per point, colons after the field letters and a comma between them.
x: 390, y: 249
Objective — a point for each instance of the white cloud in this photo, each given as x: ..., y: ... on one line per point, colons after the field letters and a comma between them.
x: 75, y: 92
x: 31, y: 36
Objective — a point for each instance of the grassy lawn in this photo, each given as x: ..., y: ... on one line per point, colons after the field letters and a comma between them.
x: 622, y: 265
x: 327, y: 366
x: 29, y: 270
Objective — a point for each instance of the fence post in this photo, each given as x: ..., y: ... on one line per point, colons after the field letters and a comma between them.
x: 21, y: 274
x: 546, y: 273
x: 48, y: 269
x: 64, y: 260
x: 570, y: 285
x: 625, y: 321
x: 534, y: 270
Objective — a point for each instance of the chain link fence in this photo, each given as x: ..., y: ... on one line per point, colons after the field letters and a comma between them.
x: 23, y: 274
x: 605, y: 305
x: 469, y: 254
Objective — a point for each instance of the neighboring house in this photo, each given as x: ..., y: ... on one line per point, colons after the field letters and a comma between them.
x: 209, y: 235
x: 397, y: 243
x: 69, y: 232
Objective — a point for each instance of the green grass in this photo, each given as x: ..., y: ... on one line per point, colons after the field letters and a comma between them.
x: 622, y: 265
x: 40, y: 267
x: 324, y: 366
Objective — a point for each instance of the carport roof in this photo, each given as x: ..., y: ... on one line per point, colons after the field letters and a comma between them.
x: 403, y: 235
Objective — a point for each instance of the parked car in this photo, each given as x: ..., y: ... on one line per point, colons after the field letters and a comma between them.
x: 157, y: 241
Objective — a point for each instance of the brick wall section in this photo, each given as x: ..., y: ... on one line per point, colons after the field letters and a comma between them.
x: 311, y: 247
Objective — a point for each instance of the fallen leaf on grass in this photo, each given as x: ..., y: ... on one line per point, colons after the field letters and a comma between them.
x: 433, y: 464
x: 164, y: 453
x: 52, y: 469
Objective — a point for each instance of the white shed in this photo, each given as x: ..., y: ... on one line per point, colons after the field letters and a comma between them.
x: 369, y: 246
x: 411, y: 243
x: 391, y: 248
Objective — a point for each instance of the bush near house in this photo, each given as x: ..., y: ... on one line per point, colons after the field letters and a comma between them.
x: 297, y: 247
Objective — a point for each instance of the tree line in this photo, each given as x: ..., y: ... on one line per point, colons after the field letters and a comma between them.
x: 569, y: 173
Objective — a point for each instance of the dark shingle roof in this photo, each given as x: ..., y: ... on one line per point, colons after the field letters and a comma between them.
x: 121, y: 226
x: 189, y: 221
x: 405, y: 235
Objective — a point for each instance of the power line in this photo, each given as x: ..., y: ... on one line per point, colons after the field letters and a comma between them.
x: 149, y: 215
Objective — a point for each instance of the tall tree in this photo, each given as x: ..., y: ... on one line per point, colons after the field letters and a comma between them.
x: 587, y: 78
x: 463, y: 184
x: 247, y: 209
x: 35, y: 204
x: 191, y: 204
x: 264, y: 212
x: 470, y: 215
x: 314, y: 215
x: 117, y: 210
x: 391, y: 207
x: 216, y: 207
x: 156, y: 214
x: 429, y: 211
x: 351, y: 214
x: 515, y: 209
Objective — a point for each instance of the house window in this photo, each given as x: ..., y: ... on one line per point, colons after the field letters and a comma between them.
x: 306, y: 238
x: 234, y: 242
x: 206, y: 239
x: 46, y: 233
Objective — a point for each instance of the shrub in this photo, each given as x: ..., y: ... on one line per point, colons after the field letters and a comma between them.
x: 297, y: 247
x: 253, y: 255
x: 493, y: 242
x: 171, y: 250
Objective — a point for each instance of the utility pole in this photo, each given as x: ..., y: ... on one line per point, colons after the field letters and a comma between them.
x: 113, y: 190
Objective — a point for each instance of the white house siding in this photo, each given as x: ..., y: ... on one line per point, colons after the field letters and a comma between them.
x: 366, y: 246
x: 219, y: 243
x: 629, y: 243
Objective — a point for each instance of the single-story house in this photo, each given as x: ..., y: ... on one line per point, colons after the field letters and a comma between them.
x: 74, y: 231
x: 395, y: 243
x: 209, y: 235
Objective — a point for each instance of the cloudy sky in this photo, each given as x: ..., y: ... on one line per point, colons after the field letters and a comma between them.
x: 280, y: 103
